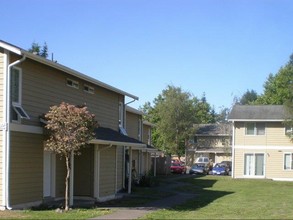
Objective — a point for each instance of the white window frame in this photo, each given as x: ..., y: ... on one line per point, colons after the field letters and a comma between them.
x: 264, y: 167
x: 88, y: 89
x: 72, y: 83
x: 16, y: 104
x: 255, y: 131
x: 290, y: 162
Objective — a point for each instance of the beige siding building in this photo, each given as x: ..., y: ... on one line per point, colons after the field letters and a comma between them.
x: 140, y: 161
x: 29, y: 86
x: 261, y: 148
x: 212, y: 141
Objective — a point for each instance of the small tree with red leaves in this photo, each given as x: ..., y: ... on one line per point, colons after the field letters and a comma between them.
x: 70, y: 128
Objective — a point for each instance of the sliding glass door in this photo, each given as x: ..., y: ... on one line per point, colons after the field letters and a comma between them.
x: 254, y: 164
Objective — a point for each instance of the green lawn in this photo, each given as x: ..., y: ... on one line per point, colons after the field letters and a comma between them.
x: 217, y: 197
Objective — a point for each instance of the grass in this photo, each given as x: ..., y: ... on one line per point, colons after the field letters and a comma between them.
x: 217, y: 197
x: 52, y: 214
x: 214, y: 197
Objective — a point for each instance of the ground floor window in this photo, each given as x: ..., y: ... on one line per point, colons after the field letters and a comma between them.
x: 288, y: 161
x: 254, y: 164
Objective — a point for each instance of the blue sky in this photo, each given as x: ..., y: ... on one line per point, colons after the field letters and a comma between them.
x: 217, y: 47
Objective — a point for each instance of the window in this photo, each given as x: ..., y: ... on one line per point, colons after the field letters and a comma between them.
x: 139, y: 129
x: 89, y: 89
x: 17, y: 110
x: 121, y: 114
x: 72, y: 83
x: 255, y: 128
x: 254, y: 164
x: 288, y: 130
x: 288, y: 161
x: 20, y: 111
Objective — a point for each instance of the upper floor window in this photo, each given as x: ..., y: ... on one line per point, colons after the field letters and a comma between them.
x: 17, y: 110
x: 89, y: 89
x: 72, y: 83
x: 139, y: 129
x: 255, y: 128
x: 288, y: 129
x: 288, y: 161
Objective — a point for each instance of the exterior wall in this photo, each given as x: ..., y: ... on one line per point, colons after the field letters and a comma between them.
x: 107, y: 175
x: 84, y: 172
x: 135, y: 160
x: 26, y: 177
x: 43, y: 87
x: 60, y: 176
x: 273, y: 145
x: 145, y: 134
x: 274, y: 163
x: 1, y: 121
x: 120, y: 167
x: 274, y: 135
x: 132, y: 121
x: 211, y: 141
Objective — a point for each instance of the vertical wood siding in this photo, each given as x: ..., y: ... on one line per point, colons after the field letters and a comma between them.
x: 107, y: 172
x: 26, y: 176
x: 60, y: 176
x: 120, y: 167
x: 83, y: 172
x: 44, y: 86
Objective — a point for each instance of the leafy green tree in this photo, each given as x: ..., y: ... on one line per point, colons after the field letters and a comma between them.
x: 204, y: 113
x: 289, y: 110
x: 70, y: 128
x: 38, y: 50
x: 277, y: 87
x: 249, y: 97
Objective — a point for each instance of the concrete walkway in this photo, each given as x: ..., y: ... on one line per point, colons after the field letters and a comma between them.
x: 168, y: 202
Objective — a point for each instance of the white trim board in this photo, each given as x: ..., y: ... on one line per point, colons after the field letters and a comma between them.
x: 263, y: 147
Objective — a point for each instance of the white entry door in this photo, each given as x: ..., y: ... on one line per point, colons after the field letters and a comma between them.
x: 49, y: 174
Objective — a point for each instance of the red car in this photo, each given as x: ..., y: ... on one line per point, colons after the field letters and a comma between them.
x: 178, y: 168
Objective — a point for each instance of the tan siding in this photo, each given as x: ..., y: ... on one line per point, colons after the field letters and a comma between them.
x: 83, y: 172
x: 275, y: 164
x: 132, y: 124
x: 275, y: 136
x: 26, y: 168
x: 1, y: 120
x: 135, y: 158
x: 107, y: 172
x: 60, y: 176
x: 120, y: 167
x: 44, y: 86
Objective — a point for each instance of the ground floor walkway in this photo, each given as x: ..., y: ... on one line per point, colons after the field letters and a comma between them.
x: 164, y: 203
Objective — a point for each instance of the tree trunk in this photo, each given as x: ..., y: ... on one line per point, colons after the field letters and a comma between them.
x: 68, y: 167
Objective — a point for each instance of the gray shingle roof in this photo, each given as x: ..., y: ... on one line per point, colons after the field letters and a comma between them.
x: 257, y: 112
x: 221, y: 129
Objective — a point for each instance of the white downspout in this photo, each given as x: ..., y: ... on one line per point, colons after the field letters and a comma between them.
x: 7, y: 130
x: 233, y: 150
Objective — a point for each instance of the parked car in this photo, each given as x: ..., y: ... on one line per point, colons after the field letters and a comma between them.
x: 229, y: 164
x: 199, y: 168
x: 220, y: 169
x: 178, y: 168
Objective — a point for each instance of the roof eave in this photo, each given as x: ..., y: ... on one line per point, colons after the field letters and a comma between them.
x: 118, y: 143
x: 256, y: 120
